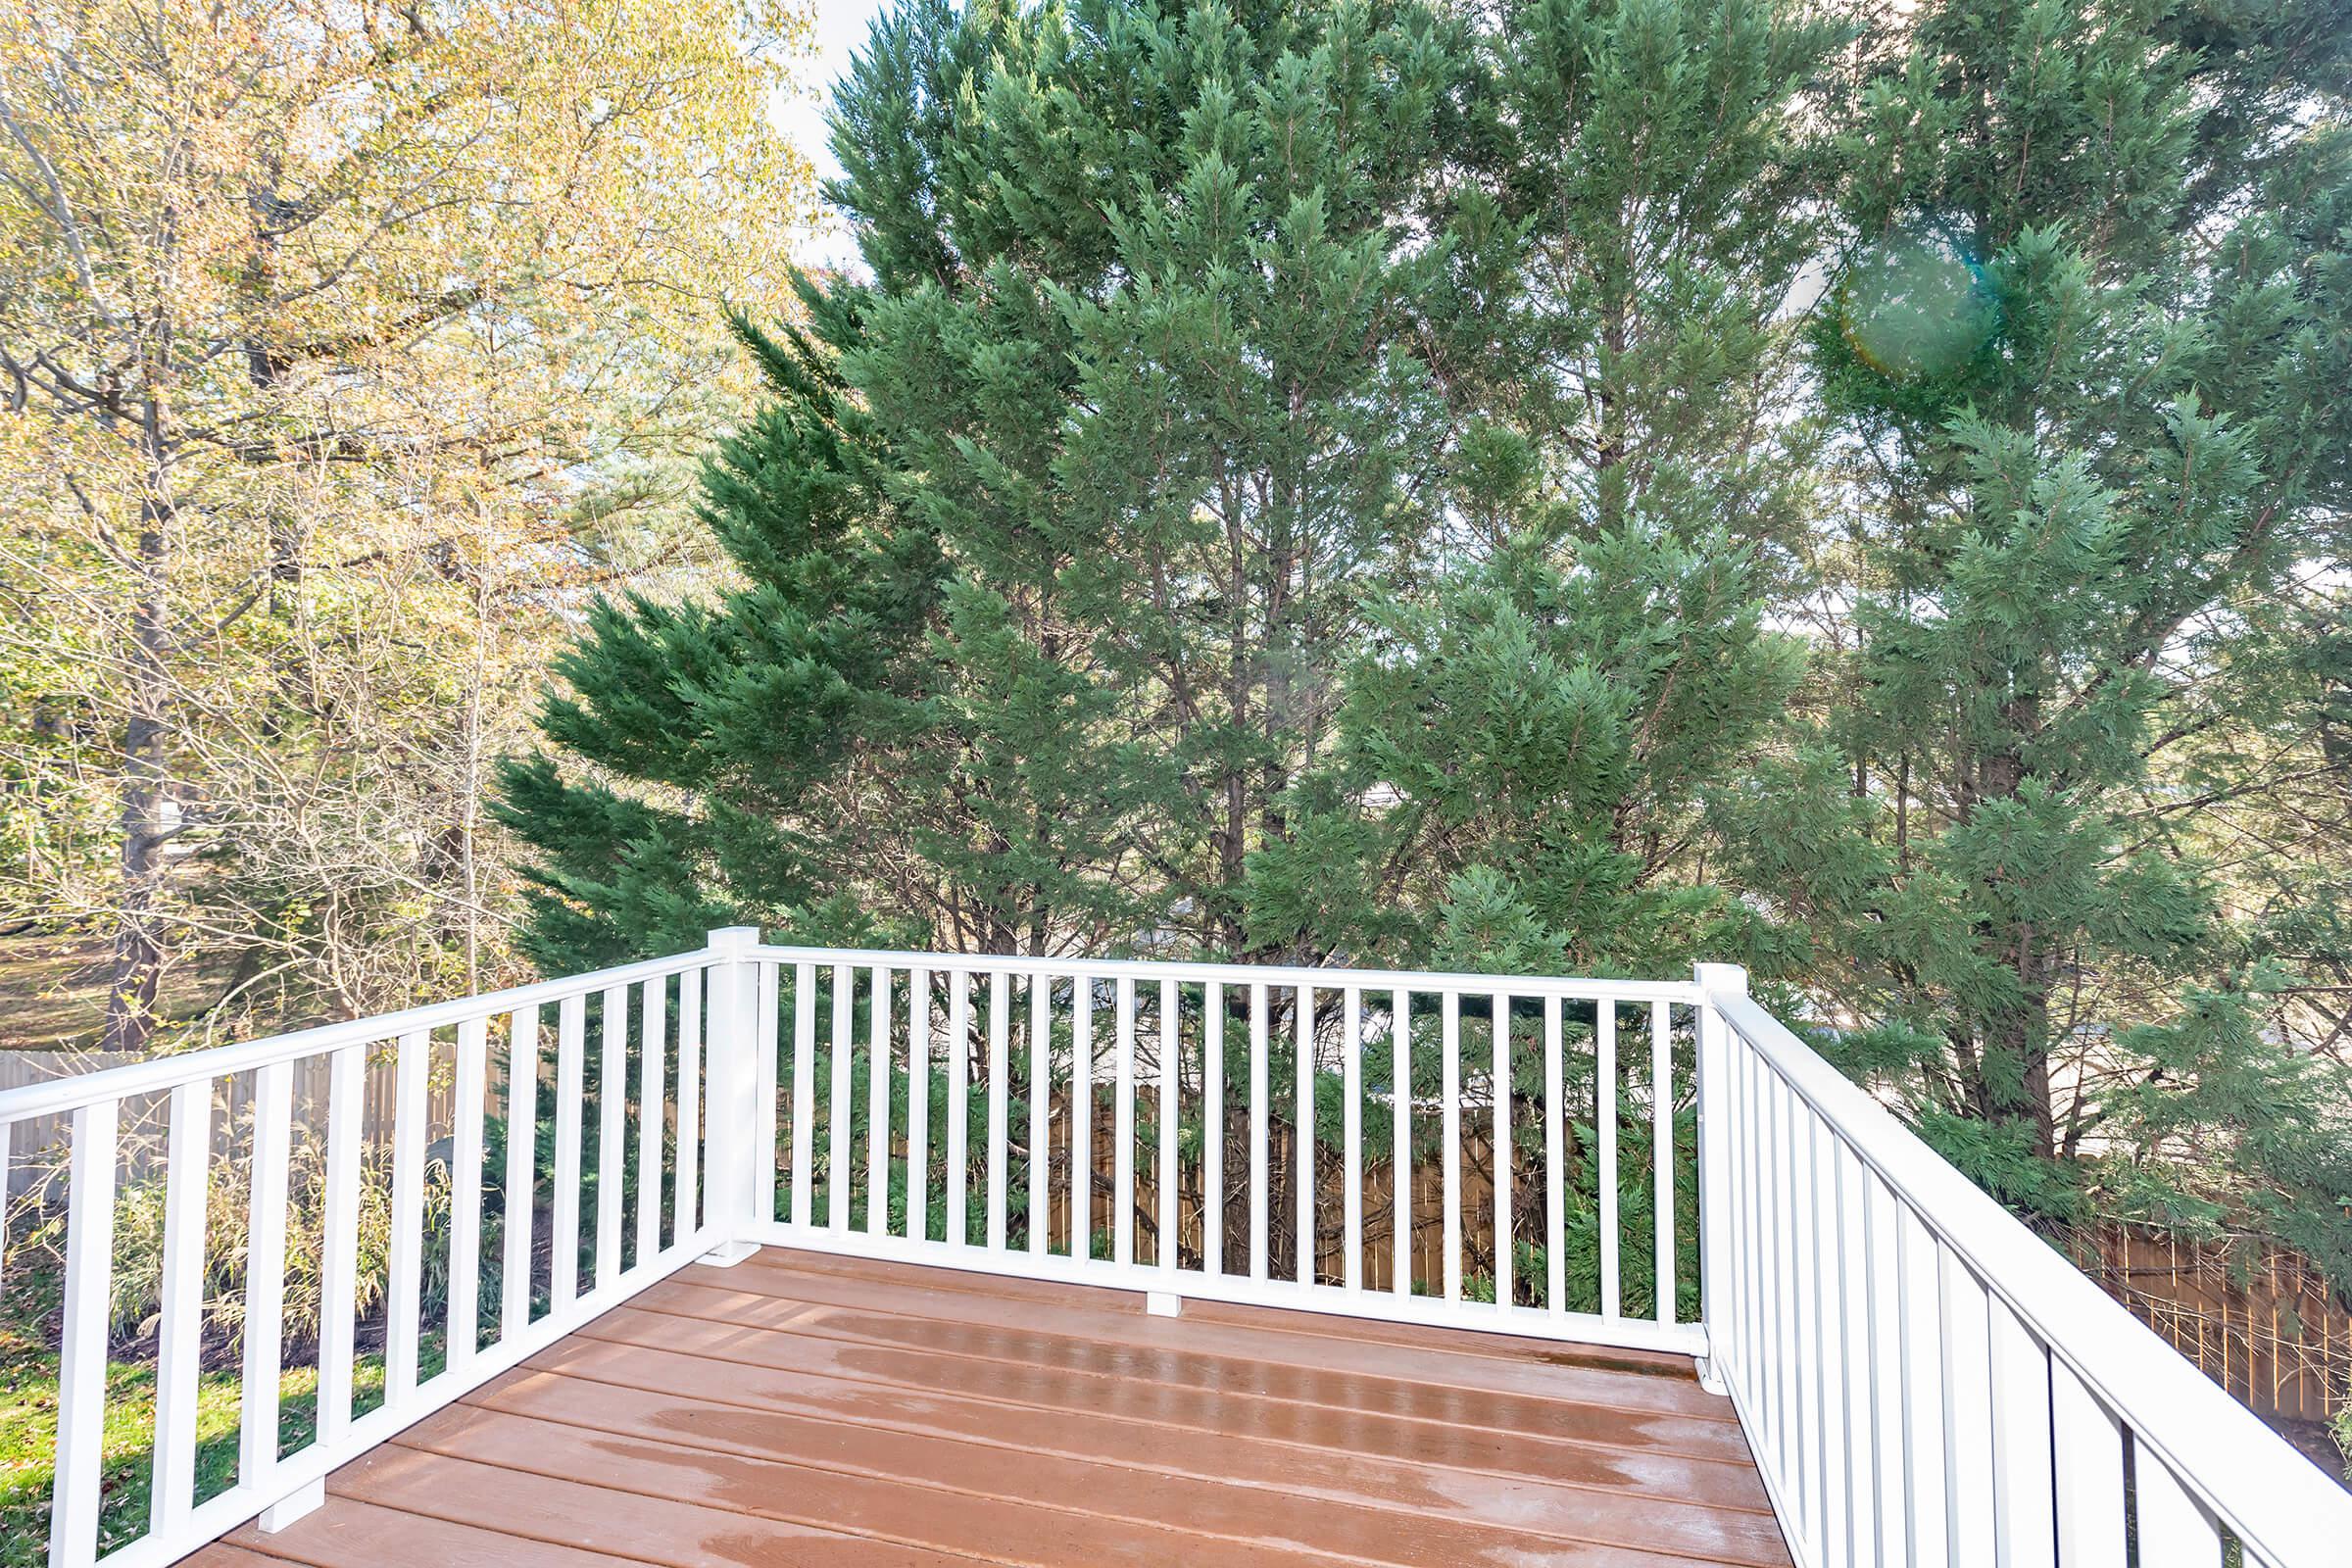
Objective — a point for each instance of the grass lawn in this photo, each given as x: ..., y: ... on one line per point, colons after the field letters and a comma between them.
x: 29, y: 1440
x: 53, y: 991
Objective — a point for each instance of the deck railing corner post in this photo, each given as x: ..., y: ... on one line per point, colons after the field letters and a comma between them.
x: 1713, y: 1063
x: 731, y: 1043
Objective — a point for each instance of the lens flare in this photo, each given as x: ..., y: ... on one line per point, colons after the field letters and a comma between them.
x: 1917, y: 305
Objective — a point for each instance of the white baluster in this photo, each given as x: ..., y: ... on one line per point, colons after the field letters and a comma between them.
x: 571, y: 1076
x: 522, y: 1170
x: 1604, y: 1123
x: 653, y: 1103
x: 1212, y: 1128
x: 1351, y: 1136
x: 466, y: 1197
x: 1967, y: 1414
x: 1743, y: 1102
x: 1661, y: 1153
x: 2174, y: 1530
x: 1780, y: 1290
x: 1401, y: 1145
x: 1041, y: 1106
x: 1852, y: 1348
x: 1891, y: 1466
x: 1170, y: 1036
x: 1824, y: 1238
x: 1302, y: 1145
x: 2088, y: 1443
x: 1451, y: 1119
x: 339, y: 1241
x: 804, y: 1091
x: 1923, y: 1386
x: 611, y: 1182
x: 2026, y: 1531
x: 999, y: 1105
x: 1505, y: 1288
x: 959, y: 1105
x: 837, y: 1121
x: 404, y: 1295
x: 179, y: 1339
x: 918, y: 1104
x: 1258, y: 1132
x: 82, y: 1354
x: 877, y: 1107
x: 1804, y: 1349
x: 686, y: 1205
x: 1122, y: 1112
x: 266, y: 1275
x: 1082, y: 1116
x: 1555, y: 1208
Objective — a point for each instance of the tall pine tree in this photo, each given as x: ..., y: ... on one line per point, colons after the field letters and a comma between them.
x: 2088, y: 352
x: 1062, y: 516
x: 1528, y: 732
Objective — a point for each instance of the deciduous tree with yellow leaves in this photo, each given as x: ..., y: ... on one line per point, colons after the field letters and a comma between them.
x: 339, y: 344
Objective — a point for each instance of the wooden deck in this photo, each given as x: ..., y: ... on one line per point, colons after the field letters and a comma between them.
x: 800, y: 1409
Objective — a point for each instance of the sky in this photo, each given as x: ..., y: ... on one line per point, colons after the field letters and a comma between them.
x: 841, y: 29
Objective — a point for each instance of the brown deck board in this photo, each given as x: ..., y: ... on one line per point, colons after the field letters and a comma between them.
x: 352, y: 1530
x: 1583, y: 1402
x: 1340, y: 1473
x: 800, y: 1409
x: 1548, y: 1370
x: 1351, y: 1330
x: 1432, y: 1438
x: 1387, y: 1514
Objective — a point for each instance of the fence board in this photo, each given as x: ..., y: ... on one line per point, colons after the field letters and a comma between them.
x: 38, y: 1143
x: 2259, y: 1322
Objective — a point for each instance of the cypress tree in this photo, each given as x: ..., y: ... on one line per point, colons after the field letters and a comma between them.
x: 1521, y: 762
x: 2085, y: 351
x: 1060, y: 514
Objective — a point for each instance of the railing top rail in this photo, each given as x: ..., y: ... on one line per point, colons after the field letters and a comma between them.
x: 1330, y: 978
x: 2215, y: 1446
x: 61, y: 1095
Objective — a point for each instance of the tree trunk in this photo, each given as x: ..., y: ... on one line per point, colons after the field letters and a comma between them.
x: 145, y: 787
x: 2019, y: 1040
x: 470, y: 808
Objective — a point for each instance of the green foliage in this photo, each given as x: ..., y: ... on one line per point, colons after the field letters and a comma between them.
x: 1368, y: 482
x: 29, y: 1440
x: 1524, y: 752
x: 37, y: 1248
x: 2067, y: 552
x: 1052, y: 526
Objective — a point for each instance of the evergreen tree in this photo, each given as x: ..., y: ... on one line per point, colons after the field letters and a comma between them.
x: 1528, y: 732
x: 1059, y: 518
x: 2088, y: 352
x: 1638, y: 191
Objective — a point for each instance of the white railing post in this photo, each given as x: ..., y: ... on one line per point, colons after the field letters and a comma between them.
x: 1717, y: 1312
x: 729, y: 1179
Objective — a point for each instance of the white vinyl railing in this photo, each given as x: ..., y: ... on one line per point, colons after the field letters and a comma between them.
x: 1924, y: 1381
x: 561, y: 1252
x: 1229, y: 1132
x: 1655, y: 1165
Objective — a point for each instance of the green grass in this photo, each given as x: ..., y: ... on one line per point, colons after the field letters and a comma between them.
x: 53, y: 991
x: 29, y: 1438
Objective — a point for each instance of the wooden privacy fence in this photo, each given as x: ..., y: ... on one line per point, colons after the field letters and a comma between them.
x: 2259, y: 1321
x: 38, y: 1143
x: 1424, y: 1250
